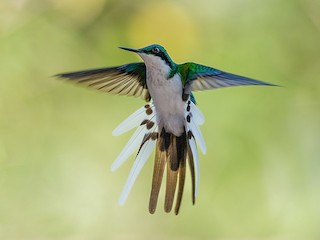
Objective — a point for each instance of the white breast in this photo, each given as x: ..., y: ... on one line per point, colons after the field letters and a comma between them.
x: 166, y: 95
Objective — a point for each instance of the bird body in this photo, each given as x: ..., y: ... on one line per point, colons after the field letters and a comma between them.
x: 166, y: 94
x: 169, y: 123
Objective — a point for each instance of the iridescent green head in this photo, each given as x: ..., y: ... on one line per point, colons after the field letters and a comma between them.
x: 155, y: 50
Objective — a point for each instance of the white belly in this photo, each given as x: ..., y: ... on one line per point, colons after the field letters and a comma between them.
x: 167, y: 98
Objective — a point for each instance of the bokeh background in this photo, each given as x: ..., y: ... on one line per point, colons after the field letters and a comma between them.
x: 260, y: 178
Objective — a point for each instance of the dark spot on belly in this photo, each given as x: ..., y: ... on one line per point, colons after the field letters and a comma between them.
x: 190, y: 134
x: 150, y: 124
x: 188, y: 118
x: 149, y: 111
x: 144, y: 122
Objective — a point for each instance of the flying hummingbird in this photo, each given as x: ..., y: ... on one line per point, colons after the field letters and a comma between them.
x: 169, y: 123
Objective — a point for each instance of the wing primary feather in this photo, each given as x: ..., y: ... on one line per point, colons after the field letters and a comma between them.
x: 138, y: 91
x: 127, y: 86
x: 201, y: 77
x: 98, y: 81
x: 113, y: 79
x: 133, y: 89
x: 113, y: 88
x: 110, y: 83
x: 128, y: 89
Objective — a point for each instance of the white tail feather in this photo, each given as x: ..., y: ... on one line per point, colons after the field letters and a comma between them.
x: 133, y: 120
x: 130, y: 147
x: 198, y: 116
x: 141, y: 159
x: 198, y: 136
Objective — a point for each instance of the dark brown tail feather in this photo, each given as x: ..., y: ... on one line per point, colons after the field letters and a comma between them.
x: 182, y: 174
x: 193, y: 178
x: 159, y: 165
x: 171, y: 151
x: 172, y: 176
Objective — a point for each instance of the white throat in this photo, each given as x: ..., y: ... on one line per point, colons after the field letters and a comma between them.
x: 155, y: 63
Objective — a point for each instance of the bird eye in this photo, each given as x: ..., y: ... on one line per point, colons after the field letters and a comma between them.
x: 155, y: 50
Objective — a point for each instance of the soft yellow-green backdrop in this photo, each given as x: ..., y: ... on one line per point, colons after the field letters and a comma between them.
x: 260, y: 178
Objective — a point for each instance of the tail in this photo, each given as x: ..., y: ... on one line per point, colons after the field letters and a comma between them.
x: 172, y: 153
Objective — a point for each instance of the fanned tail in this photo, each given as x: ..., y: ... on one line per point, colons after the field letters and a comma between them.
x: 172, y: 154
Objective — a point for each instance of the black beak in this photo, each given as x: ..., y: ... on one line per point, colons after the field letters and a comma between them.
x: 131, y: 49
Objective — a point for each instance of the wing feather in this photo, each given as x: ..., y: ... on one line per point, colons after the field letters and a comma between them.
x: 128, y: 79
x: 198, y: 77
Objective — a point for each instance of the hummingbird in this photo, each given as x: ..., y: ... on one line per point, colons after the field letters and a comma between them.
x: 168, y: 122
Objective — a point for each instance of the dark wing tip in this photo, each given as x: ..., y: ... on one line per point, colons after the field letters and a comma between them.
x: 274, y: 85
x: 60, y: 76
x: 261, y: 83
x: 74, y: 75
x: 87, y: 73
x: 244, y: 80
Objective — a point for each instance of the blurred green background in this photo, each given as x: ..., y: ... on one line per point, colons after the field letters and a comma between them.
x: 260, y: 177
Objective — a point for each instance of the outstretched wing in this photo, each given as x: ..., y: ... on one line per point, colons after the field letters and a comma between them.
x: 129, y: 79
x: 198, y: 77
